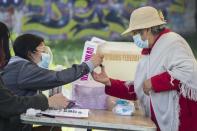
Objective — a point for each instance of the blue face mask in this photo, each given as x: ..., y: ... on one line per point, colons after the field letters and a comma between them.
x: 45, y: 61
x: 139, y: 42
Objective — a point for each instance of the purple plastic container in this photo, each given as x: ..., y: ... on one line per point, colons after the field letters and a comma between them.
x: 89, y: 95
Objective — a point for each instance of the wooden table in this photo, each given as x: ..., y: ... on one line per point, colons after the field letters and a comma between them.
x: 98, y: 119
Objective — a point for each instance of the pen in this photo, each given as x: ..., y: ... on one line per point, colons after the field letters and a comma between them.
x: 46, y: 115
x: 101, y: 65
x: 50, y: 116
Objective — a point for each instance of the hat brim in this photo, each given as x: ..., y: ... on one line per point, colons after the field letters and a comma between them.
x: 126, y: 31
x: 130, y: 29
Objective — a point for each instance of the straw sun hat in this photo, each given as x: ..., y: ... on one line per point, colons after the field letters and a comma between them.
x: 144, y: 17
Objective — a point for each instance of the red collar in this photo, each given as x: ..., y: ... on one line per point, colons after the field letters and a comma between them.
x: 147, y: 51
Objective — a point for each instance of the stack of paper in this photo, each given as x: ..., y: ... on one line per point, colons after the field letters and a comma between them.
x: 78, y: 113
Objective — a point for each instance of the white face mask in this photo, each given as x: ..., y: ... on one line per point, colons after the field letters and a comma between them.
x: 139, y: 42
x: 45, y: 60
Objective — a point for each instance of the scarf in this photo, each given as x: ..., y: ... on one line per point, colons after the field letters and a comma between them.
x: 170, y: 53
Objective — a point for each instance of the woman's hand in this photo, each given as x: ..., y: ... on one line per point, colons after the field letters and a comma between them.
x: 147, y: 86
x: 58, y: 101
x: 96, y: 59
x: 102, y: 77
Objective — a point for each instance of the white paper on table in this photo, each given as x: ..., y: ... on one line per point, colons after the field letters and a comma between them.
x: 32, y: 112
x: 76, y: 113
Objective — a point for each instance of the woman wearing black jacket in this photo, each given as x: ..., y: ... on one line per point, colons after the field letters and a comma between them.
x: 12, y: 106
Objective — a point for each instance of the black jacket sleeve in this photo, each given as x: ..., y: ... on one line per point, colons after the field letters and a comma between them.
x: 11, y: 105
x: 35, y: 78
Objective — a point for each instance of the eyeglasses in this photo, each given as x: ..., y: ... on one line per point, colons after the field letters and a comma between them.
x: 42, y: 49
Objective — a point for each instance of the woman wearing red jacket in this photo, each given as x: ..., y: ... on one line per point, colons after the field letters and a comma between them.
x: 165, y: 80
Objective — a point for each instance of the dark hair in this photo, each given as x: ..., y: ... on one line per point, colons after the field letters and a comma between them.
x: 157, y: 29
x: 25, y: 43
x: 4, y: 45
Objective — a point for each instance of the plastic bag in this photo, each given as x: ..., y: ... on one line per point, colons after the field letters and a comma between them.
x: 123, y: 107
